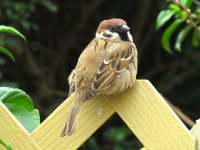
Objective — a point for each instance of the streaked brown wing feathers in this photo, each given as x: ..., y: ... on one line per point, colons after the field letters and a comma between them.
x: 117, y: 59
x: 71, y: 82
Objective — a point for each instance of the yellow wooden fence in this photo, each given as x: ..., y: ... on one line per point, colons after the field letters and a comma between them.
x: 142, y: 108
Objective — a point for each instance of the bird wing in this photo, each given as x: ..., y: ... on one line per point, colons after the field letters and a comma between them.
x: 117, y: 59
x: 71, y: 82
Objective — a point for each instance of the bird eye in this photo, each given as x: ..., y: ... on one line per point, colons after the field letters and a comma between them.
x: 112, y: 29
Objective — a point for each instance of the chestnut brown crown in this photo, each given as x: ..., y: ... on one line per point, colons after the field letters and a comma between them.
x: 110, y: 23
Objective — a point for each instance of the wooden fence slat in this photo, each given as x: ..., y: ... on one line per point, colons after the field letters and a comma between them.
x: 196, y: 133
x: 92, y: 116
x: 13, y: 132
x: 142, y: 108
x: 151, y: 119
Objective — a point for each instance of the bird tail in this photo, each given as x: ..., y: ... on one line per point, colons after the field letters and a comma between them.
x: 70, y: 124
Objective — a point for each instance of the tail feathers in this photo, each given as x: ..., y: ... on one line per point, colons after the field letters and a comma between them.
x: 70, y: 125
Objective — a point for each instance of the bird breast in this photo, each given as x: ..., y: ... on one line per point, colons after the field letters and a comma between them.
x: 89, y: 61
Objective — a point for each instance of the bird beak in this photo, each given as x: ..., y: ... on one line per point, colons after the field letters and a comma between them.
x: 124, y: 28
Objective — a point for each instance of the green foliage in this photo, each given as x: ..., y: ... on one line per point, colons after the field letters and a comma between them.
x: 181, y: 36
x: 91, y: 144
x: 118, y: 136
x: 186, y: 3
x: 8, y: 84
x: 21, y: 106
x: 16, y: 100
x: 49, y: 5
x: 168, y: 33
x: 195, y: 39
x: 6, y: 144
x: 180, y: 13
x: 6, y: 52
x: 20, y: 12
x: 11, y: 30
x: 163, y: 17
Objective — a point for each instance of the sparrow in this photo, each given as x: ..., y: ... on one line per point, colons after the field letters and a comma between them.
x: 108, y: 65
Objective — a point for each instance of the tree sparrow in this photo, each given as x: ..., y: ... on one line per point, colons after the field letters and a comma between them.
x: 108, y: 65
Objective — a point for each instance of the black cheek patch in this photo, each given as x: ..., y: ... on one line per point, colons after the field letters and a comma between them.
x: 124, y: 36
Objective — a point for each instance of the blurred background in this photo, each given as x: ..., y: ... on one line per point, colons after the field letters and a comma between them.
x: 58, y: 31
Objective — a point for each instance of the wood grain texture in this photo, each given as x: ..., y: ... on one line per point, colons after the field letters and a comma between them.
x: 13, y: 132
x: 151, y: 119
x: 92, y: 116
x: 196, y: 133
x: 142, y: 108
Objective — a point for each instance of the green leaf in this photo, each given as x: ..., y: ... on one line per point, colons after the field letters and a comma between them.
x: 195, y: 38
x: 174, y: 7
x: 168, y: 33
x: 29, y: 119
x: 6, y: 52
x: 197, y: 12
x: 26, y: 24
x: 20, y: 7
x: 11, y: 30
x: 50, y: 5
x: 183, y: 15
x: 17, y: 96
x: 163, y: 17
x: 181, y: 37
x: 117, y: 134
x: 178, y: 12
x: 6, y: 144
x: 21, y: 106
x: 186, y: 3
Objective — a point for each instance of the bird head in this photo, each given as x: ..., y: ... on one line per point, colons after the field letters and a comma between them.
x: 114, y: 29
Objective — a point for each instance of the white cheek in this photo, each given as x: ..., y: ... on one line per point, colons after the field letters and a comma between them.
x: 129, y: 36
x: 115, y: 36
x: 98, y: 35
